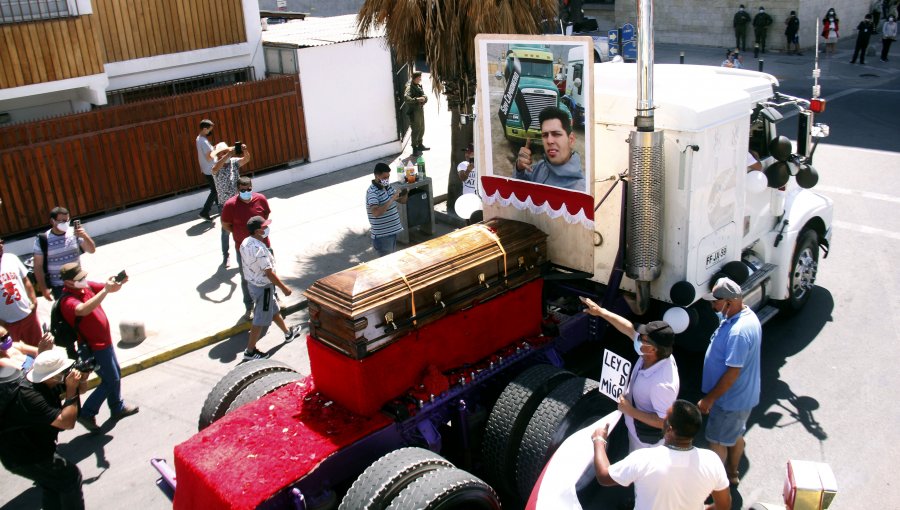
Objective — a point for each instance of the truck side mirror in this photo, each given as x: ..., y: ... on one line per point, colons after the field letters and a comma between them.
x: 771, y: 114
x: 577, y: 83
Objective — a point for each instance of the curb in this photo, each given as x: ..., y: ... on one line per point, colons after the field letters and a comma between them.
x: 142, y: 363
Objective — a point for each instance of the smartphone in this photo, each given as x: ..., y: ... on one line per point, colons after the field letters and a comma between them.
x: 121, y: 276
x: 76, y: 223
x: 238, y: 149
x: 45, y: 328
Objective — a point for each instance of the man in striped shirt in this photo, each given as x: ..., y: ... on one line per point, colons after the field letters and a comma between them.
x: 381, y: 205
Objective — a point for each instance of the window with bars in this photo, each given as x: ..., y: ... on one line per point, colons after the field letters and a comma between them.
x: 17, y: 11
x: 184, y: 85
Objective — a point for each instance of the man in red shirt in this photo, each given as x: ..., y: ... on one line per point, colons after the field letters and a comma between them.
x: 236, y: 212
x: 82, y: 299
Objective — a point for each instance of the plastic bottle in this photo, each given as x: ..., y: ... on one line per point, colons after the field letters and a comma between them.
x: 410, y: 172
x: 420, y: 163
x: 400, y: 172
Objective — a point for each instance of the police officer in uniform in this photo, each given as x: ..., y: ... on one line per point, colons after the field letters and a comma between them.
x: 741, y: 20
x: 761, y: 24
x: 414, y: 98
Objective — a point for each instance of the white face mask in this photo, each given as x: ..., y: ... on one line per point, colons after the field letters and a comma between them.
x: 265, y: 232
x: 62, y: 226
x: 81, y: 284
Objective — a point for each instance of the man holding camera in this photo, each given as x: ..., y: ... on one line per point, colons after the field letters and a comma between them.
x: 81, y: 299
x: 48, y: 401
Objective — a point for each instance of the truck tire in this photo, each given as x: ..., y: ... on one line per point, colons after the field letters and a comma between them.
x: 228, y: 388
x: 262, y: 386
x: 510, y: 416
x: 804, y: 266
x: 447, y: 489
x: 381, y: 482
x: 567, y: 408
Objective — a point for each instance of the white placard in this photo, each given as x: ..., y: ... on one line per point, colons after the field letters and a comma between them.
x: 615, y: 374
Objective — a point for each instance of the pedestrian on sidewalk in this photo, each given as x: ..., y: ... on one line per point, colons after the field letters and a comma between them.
x: 414, y: 99
x: 863, y: 34
x: 18, y: 310
x: 466, y: 171
x: 226, y: 173
x: 740, y: 22
x: 55, y: 247
x: 48, y: 400
x: 83, y: 299
x: 259, y: 271
x: 761, y: 23
x: 792, y: 28
x: 888, y: 36
x: 206, y: 160
x: 235, y: 214
x: 381, y: 206
x: 831, y: 26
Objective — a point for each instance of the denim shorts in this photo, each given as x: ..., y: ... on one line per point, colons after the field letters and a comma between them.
x: 725, y: 427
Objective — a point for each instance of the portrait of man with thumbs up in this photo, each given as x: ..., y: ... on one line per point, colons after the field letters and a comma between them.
x: 561, y: 165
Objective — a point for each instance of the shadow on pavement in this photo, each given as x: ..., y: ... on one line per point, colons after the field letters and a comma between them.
x: 200, y: 228
x: 222, y: 276
x: 230, y: 350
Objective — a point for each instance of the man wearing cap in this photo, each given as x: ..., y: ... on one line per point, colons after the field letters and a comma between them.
x: 761, y: 23
x: 236, y: 212
x: 258, y: 267
x: 207, y: 160
x: 381, y: 206
x: 55, y: 247
x: 82, y: 298
x: 466, y: 170
x: 653, y: 384
x: 47, y: 402
x: 741, y: 19
x: 18, y: 300
x: 414, y: 99
x: 731, y: 377
x: 675, y: 474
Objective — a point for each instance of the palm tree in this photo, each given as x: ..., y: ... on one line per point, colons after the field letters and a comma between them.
x: 444, y: 30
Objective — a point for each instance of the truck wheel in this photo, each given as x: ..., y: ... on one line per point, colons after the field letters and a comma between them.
x: 228, y: 388
x: 447, y: 489
x: 804, y: 266
x: 567, y: 408
x: 381, y: 482
x: 510, y: 416
x: 262, y: 386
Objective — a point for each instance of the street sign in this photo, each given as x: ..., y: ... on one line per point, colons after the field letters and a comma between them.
x: 629, y: 42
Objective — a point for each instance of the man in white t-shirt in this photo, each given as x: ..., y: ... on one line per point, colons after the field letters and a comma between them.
x: 18, y: 302
x: 674, y: 476
x: 466, y: 171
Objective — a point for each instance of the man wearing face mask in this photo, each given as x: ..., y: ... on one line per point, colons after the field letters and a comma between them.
x: 59, y: 245
x: 47, y: 402
x: 381, y: 205
x: 236, y: 212
x: 82, y: 299
x: 731, y: 377
x: 761, y: 23
x: 741, y: 20
x: 654, y: 383
x: 259, y: 270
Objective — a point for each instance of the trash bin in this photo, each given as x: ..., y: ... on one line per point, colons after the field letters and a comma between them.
x: 418, y: 211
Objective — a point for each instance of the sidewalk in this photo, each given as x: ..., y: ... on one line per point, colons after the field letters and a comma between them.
x: 187, y: 300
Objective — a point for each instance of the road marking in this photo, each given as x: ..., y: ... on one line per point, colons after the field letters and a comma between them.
x: 866, y: 230
x: 862, y: 194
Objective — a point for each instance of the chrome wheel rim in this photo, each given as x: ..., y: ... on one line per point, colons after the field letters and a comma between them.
x: 804, y: 275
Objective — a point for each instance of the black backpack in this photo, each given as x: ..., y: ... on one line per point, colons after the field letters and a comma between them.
x: 64, y: 334
x: 9, y: 390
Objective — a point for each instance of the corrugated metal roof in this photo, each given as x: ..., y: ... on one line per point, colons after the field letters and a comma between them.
x: 315, y: 32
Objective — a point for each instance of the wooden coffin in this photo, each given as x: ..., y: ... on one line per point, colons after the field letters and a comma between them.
x: 365, y: 308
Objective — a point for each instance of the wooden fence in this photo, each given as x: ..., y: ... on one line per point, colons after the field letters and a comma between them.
x: 106, y: 159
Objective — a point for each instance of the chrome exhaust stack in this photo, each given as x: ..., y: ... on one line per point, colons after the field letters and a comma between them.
x: 646, y: 170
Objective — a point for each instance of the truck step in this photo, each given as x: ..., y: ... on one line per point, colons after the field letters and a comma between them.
x: 766, y: 313
x: 758, y: 276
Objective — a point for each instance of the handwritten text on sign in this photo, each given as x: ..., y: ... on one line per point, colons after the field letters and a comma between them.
x: 614, y: 376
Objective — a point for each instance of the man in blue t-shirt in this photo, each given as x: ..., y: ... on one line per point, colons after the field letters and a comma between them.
x: 381, y: 205
x: 730, y: 374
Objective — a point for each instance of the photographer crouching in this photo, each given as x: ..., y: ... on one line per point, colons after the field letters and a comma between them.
x: 48, y: 400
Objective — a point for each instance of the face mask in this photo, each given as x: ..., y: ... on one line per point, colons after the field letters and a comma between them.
x: 385, y: 182
x: 81, y: 284
x: 637, y: 346
x: 721, y: 315
x: 265, y: 232
x: 246, y: 195
x: 62, y: 226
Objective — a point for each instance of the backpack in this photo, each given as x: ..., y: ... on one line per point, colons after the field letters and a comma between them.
x: 29, y: 262
x: 9, y: 390
x: 64, y: 334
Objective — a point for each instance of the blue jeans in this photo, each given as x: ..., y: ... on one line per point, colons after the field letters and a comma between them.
x: 248, y: 301
x: 226, y: 242
x: 384, y: 245
x: 213, y: 197
x: 110, y: 387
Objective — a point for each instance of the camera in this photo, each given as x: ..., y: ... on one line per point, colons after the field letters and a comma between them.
x: 121, y: 276
x: 238, y: 149
x: 84, y: 362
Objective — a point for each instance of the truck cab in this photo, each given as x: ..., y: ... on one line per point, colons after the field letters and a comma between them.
x: 533, y: 65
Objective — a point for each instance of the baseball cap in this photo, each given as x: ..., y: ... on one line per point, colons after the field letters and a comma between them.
x: 469, y: 148
x: 725, y: 288
x: 257, y: 222
x: 658, y: 331
x: 206, y: 123
x: 72, y: 271
x: 47, y: 364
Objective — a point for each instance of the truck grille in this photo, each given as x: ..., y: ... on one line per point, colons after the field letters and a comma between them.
x: 537, y: 100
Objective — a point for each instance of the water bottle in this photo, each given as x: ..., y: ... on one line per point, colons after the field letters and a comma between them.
x: 400, y: 172
x: 421, y: 164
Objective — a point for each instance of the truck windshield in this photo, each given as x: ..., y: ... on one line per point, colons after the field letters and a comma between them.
x: 537, y: 68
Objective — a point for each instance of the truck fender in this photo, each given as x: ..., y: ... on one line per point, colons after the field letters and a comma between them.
x: 803, y: 209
